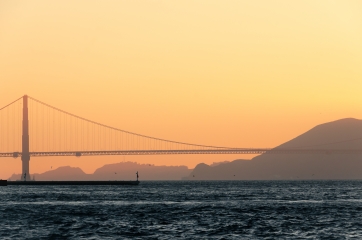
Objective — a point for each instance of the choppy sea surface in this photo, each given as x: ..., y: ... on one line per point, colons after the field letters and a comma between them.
x: 184, y: 210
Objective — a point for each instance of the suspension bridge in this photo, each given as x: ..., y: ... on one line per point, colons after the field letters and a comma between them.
x: 32, y: 128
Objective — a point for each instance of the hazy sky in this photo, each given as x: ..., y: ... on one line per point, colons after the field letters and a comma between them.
x: 230, y: 73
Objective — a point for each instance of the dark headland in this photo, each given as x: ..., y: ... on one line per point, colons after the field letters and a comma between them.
x: 340, y: 134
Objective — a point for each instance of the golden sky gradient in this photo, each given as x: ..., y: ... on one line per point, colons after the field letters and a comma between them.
x: 230, y: 73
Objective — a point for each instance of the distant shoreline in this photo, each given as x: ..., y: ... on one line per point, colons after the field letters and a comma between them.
x: 38, y: 183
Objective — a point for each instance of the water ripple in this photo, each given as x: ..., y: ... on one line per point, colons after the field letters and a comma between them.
x: 179, y: 210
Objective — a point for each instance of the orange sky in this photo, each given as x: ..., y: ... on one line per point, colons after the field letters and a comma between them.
x: 229, y: 73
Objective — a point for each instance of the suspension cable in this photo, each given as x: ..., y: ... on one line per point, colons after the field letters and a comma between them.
x: 124, y: 131
x: 11, y: 103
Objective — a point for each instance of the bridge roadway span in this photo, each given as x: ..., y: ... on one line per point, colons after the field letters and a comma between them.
x: 199, y: 151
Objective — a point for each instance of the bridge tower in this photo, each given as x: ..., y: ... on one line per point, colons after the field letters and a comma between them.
x: 25, y: 156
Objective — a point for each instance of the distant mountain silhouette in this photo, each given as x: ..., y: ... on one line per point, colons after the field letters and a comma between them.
x: 117, y: 171
x: 59, y: 174
x: 218, y: 163
x: 340, y: 134
x: 127, y: 171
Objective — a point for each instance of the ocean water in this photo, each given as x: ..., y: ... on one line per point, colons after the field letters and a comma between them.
x: 184, y: 210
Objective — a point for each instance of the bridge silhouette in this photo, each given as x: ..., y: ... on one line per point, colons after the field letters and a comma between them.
x: 32, y: 128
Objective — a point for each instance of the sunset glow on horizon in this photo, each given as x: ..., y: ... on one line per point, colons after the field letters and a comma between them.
x: 221, y: 73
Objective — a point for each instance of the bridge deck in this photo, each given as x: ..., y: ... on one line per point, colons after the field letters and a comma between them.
x: 197, y: 151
